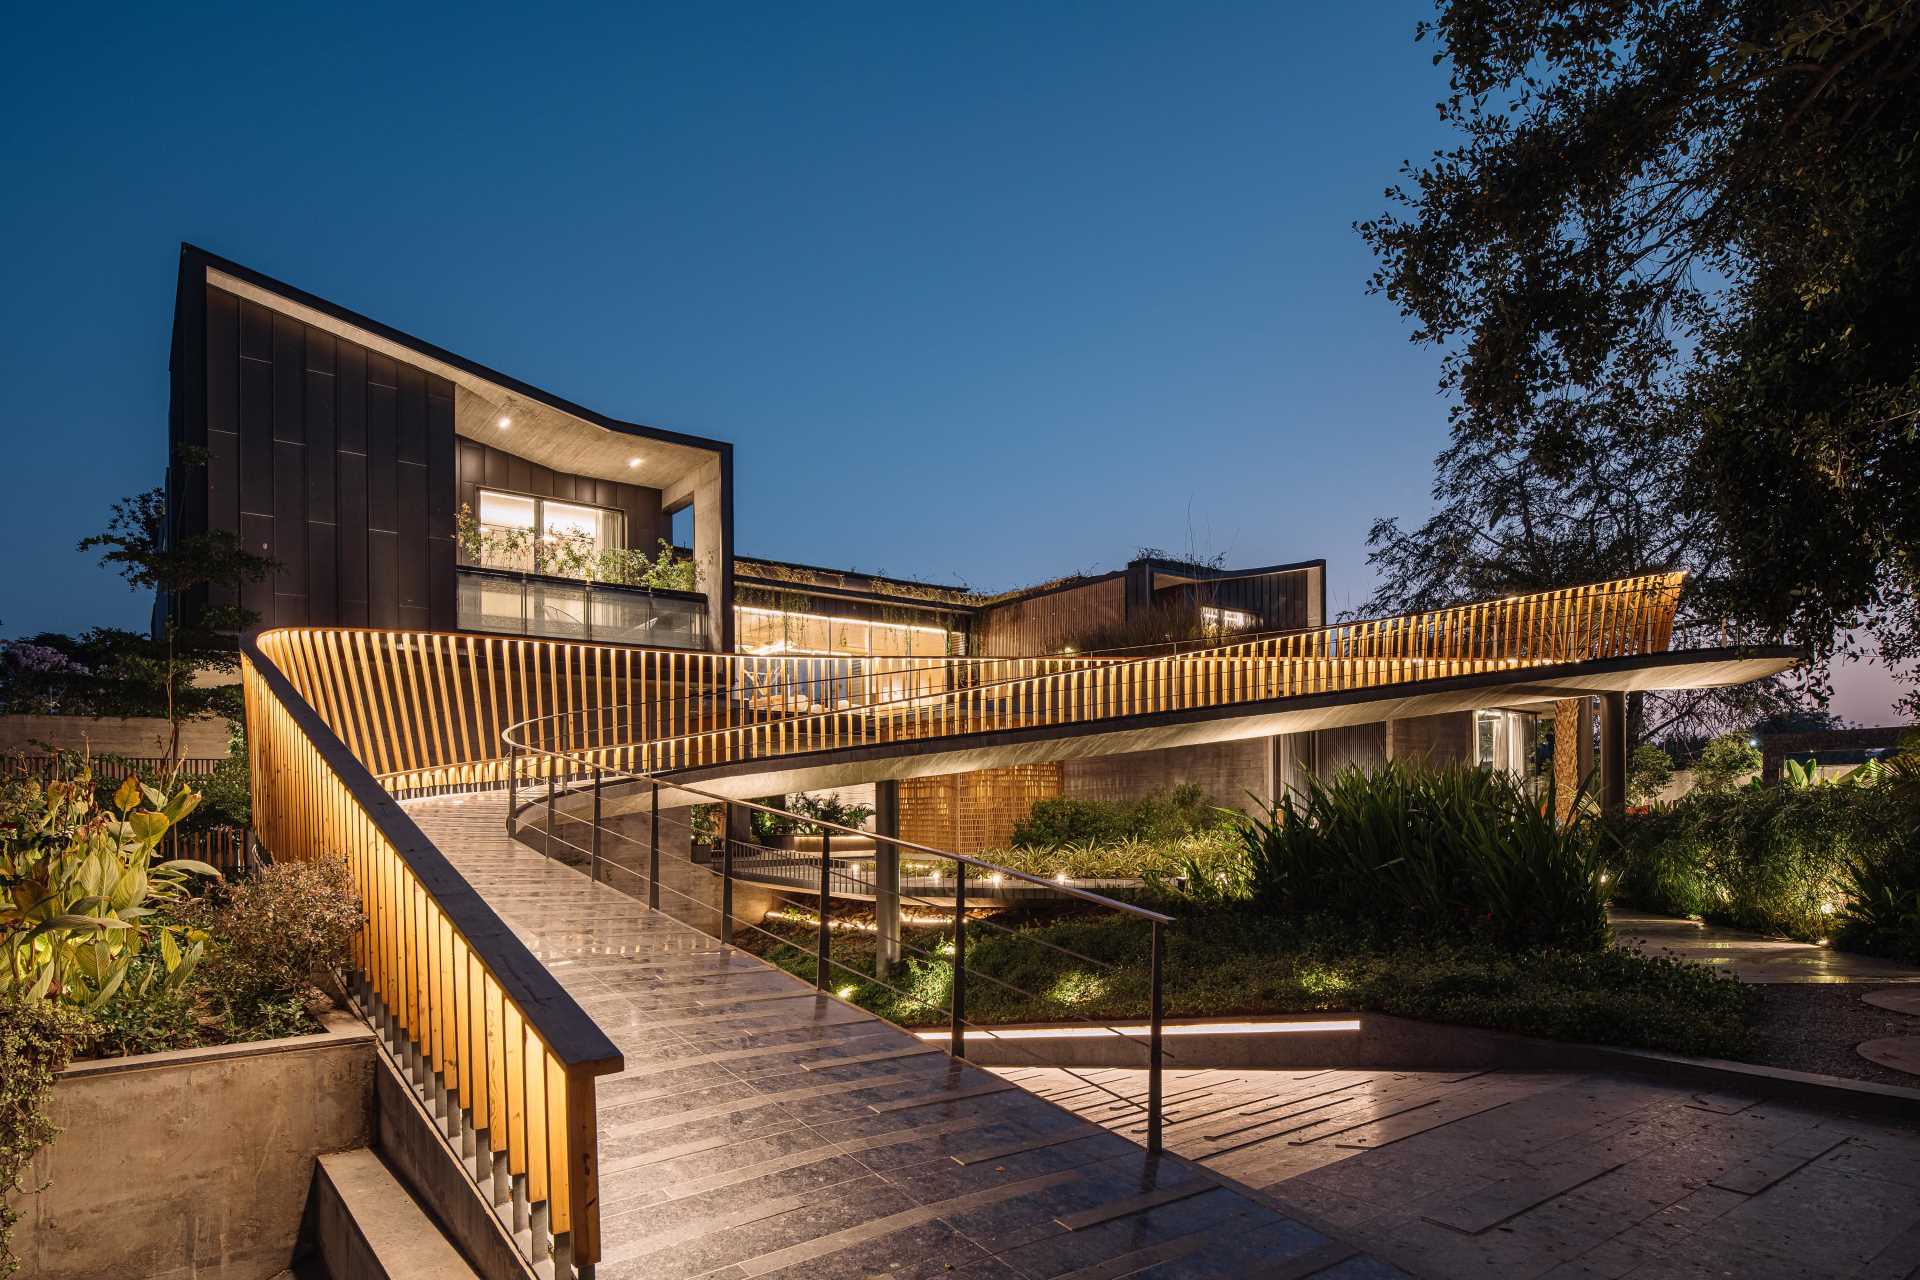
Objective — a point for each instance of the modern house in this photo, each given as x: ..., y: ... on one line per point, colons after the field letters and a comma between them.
x: 401, y: 486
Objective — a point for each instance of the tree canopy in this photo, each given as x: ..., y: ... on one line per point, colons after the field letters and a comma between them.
x: 1672, y: 267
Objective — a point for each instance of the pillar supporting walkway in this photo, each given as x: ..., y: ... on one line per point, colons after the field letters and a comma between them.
x: 763, y: 1129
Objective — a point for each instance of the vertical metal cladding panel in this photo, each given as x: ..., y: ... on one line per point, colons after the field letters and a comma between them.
x: 519, y: 474
x: 412, y: 485
x: 383, y: 502
x: 350, y: 398
x: 411, y: 442
x: 321, y: 437
x: 289, y: 532
x: 323, y: 588
x: 383, y: 578
x: 350, y: 561
x: 443, y: 611
x: 560, y: 485
x: 256, y: 535
x: 289, y: 379
x: 540, y: 481
x: 497, y: 474
x: 223, y: 361
x: 442, y: 471
x: 256, y: 410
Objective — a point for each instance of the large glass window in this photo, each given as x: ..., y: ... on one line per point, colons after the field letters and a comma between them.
x: 531, y: 534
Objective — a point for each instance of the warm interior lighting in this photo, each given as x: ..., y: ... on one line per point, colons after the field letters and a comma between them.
x: 504, y: 422
x: 633, y: 462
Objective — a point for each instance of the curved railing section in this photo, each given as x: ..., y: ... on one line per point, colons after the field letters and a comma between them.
x: 342, y: 720
x: 496, y: 1047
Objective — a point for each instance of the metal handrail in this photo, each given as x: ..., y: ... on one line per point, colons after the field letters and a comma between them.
x: 956, y: 1011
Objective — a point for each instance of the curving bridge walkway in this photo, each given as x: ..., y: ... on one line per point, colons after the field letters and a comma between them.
x: 759, y: 1128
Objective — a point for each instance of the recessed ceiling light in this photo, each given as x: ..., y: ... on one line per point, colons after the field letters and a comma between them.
x: 504, y: 422
x: 633, y: 462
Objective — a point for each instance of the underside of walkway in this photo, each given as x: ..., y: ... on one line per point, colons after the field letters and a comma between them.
x: 762, y: 1129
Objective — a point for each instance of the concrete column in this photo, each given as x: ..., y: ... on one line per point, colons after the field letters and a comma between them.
x: 1613, y: 752
x: 706, y: 487
x: 886, y: 875
x: 739, y: 823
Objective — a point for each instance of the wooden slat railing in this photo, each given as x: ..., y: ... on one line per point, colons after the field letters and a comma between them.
x: 499, y: 1049
x: 425, y: 710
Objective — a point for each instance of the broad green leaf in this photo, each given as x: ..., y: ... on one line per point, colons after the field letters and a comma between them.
x: 169, y: 950
x: 128, y: 794
x: 194, y: 867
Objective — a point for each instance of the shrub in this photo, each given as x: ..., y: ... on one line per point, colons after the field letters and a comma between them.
x: 36, y: 1039
x: 1648, y: 774
x: 1238, y: 961
x: 1459, y: 852
x: 1724, y: 762
x: 280, y: 934
x: 1211, y: 853
x: 1783, y: 860
x: 85, y: 890
x: 1185, y: 810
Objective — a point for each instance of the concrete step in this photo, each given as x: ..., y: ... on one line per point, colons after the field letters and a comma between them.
x: 369, y: 1228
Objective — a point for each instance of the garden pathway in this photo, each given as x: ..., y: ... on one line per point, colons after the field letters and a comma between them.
x: 1752, y: 957
x: 763, y: 1129
x: 1472, y: 1176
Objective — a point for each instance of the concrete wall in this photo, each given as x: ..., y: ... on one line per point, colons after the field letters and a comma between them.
x: 140, y: 736
x: 1438, y: 740
x: 195, y: 1163
x: 1226, y: 771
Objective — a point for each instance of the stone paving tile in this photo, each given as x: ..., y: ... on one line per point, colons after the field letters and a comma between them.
x: 1579, y: 1175
x: 735, y: 1145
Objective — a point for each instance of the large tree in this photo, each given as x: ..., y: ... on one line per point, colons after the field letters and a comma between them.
x: 1673, y: 267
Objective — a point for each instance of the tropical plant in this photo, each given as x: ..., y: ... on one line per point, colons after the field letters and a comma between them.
x: 1785, y: 860
x: 1880, y: 911
x: 829, y: 808
x: 1459, y: 852
x: 85, y: 895
x: 1723, y: 762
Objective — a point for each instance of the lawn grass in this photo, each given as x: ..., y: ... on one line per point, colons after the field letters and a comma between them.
x: 1235, y: 961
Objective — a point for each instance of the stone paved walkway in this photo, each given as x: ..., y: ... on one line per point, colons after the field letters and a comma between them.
x: 1456, y: 1176
x: 760, y: 1129
x: 1749, y: 956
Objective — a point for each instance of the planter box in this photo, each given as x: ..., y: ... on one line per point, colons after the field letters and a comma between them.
x: 195, y: 1163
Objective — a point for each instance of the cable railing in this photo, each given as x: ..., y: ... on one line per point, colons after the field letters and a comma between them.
x: 546, y: 785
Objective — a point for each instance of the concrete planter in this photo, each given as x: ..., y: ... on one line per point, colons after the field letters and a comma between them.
x: 195, y: 1163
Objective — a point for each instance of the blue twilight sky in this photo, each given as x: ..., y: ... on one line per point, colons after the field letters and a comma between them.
x: 981, y: 293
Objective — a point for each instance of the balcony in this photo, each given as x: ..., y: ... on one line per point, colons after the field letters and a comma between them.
x: 531, y: 604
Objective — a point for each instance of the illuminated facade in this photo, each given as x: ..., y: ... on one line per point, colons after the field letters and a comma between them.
x: 398, y: 485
